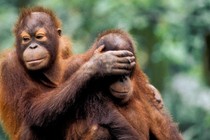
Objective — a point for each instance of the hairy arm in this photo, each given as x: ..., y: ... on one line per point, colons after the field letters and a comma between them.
x: 39, y: 109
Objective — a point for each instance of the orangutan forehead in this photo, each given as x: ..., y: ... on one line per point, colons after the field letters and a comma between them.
x: 40, y: 14
x: 38, y: 17
x: 37, y: 20
x: 115, y: 40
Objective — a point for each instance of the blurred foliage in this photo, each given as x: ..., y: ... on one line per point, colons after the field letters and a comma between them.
x: 171, y: 46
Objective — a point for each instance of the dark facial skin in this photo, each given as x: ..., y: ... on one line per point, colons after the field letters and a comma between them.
x: 37, y: 41
x: 47, y: 98
x: 35, y: 56
x: 122, y: 87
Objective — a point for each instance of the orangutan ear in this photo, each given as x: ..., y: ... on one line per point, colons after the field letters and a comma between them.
x: 59, y: 31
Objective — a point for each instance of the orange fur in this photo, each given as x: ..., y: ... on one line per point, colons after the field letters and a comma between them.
x: 27, y: 103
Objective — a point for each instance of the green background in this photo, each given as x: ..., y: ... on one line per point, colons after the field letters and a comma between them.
x: 172, y: 45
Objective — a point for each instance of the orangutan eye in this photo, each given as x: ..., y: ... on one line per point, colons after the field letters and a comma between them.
x: 26, y: 39
x: 39, y: 36
x: 123, y: 78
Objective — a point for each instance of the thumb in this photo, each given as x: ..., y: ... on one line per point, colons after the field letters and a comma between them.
x: 99, y: 49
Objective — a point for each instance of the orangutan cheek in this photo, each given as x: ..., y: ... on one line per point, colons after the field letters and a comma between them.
x: 122, y: 89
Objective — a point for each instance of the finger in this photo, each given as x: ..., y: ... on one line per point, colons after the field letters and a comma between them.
x: 132, y: 65
x: 126, y: 59
x: 99, y: 49
x: 125, y: 66
x: 122, y: 66
x: 121, y: 53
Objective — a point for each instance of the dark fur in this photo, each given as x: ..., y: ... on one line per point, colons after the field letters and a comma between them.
x: 142, y: 111
x: 39, y: 110
x: 32, y: 107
